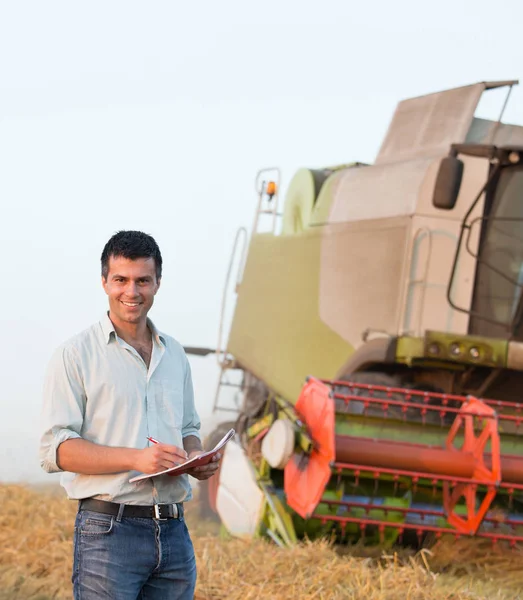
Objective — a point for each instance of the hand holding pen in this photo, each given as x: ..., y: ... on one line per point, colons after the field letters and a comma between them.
x: 202, y: 472
x: 159, y: 457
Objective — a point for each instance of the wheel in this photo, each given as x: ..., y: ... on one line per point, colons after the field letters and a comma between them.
x: 379, y: 378
x: 433, y: 416
x: 368, y: 378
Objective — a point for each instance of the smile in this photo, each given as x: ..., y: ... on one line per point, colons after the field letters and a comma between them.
x: 130, y: 304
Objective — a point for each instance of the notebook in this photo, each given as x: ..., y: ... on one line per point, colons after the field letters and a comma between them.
x: 197, y: 461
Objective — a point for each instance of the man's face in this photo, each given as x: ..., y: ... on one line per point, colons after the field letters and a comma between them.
x: 131, y: 286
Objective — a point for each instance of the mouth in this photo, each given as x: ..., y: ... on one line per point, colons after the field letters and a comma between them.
x: 130, y: 304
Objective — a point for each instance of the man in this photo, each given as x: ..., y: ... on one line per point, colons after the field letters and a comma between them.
x: 107, y: 391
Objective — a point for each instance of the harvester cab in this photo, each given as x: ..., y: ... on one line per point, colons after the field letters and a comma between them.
x: 368, y: 332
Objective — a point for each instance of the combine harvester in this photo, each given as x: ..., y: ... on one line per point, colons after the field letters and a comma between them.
x: 368, y: 332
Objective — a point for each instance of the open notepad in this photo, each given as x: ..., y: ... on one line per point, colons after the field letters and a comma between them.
x: 197, y: 461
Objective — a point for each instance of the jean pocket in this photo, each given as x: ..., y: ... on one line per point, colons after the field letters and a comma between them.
x: 96, y: 525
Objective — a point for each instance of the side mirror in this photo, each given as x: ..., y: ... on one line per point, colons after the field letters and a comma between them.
x: 448, y: 182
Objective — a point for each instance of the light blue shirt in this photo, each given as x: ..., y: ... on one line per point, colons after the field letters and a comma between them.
x: 98, y: 387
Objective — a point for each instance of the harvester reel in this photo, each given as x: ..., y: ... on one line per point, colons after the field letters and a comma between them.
x: 467, y: 474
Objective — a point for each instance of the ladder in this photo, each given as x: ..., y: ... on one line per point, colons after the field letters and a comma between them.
x: 267, y: 189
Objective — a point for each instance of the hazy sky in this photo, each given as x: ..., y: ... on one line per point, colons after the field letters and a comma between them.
x: 157, y: 115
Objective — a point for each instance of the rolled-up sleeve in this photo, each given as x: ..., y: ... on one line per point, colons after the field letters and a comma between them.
x: 191, y: 421
x: 63, y: 406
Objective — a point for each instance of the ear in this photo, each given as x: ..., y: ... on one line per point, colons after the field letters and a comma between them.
x: 158, y: 281
x: 104, y: 285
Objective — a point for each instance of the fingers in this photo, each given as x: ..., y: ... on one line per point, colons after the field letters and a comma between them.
x: 203, y: 474
x: 213, y: 466
x: 177, y: 453
x: 210, y: 468
x: 167, y: 461
x: 166, y: 464
x: 164, y: 456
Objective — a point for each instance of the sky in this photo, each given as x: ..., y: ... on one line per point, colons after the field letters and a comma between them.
x: 157, y: 115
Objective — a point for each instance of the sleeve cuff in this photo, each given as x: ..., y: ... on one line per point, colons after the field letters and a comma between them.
x: 48, y: 459
x: 192, y: 431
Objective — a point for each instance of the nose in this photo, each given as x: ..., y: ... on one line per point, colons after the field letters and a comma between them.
x: 131, y: 289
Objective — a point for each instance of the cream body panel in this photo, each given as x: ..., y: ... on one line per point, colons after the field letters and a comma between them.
x: 385, y: 239
x: 433, y: 241
x: 361, y: 265
x: 379, y: 191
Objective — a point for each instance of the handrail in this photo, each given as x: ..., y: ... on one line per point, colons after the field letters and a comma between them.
x: 424, y: 276
x: 260, y: 189
x: 239, y: 275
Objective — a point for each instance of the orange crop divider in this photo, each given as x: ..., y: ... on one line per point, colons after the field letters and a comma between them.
x: 476, y: 445
x: 305, y: 477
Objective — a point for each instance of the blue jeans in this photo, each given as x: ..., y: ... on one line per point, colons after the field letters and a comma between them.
x: 132, y: 559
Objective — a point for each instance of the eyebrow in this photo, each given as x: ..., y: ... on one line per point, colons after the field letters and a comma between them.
x: 116, y: 276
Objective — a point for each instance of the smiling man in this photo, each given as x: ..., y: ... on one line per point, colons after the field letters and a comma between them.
x: 106, y: 391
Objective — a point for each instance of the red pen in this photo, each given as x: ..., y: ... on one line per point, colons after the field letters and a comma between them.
x: 151, y: 439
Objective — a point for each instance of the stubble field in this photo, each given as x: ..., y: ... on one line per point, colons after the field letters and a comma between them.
x: 36, y: 533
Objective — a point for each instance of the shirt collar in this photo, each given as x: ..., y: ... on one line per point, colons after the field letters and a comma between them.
x: 157, y: 335
x: 110, y: 333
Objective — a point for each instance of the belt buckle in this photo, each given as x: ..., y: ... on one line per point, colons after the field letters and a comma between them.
x: 157, y: 513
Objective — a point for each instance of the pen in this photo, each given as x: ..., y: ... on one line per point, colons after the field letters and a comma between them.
x: 151, y: 439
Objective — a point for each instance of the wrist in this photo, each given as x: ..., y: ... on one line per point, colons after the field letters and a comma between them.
x: 191, y: 444
x: 131, y: 459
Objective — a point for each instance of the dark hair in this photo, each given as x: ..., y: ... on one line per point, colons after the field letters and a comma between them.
x: 131, y: 245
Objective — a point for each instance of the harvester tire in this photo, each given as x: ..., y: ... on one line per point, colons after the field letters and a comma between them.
x: 386, y: 380
x: 208, y: 489
x: 255, y: 395
x: 368, y: 378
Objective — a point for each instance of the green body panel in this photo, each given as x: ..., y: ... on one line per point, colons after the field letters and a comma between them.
x: 277, y: 333
x: 409, y: 348
x: 439, y: 346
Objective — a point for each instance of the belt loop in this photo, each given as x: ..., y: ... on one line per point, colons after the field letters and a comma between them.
x: 179, y: 506
x: 120, y: 512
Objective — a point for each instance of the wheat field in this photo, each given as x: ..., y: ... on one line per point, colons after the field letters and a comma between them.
x: 36, y: 533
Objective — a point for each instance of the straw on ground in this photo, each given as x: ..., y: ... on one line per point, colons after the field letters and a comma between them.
x: 36, y: 533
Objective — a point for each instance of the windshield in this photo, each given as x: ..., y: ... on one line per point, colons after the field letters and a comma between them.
x: 499, y: 280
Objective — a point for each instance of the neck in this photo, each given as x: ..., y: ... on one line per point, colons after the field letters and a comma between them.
x: 130, y: 332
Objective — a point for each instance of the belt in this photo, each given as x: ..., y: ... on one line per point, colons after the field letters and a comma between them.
x: 162, y: 512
